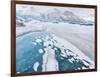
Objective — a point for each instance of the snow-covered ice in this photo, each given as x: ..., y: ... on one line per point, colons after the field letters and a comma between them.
x: 49, y: 61
x: 34, y: 43
x: 35, y: 66
x: 38, y: 40
x: 40, y: 50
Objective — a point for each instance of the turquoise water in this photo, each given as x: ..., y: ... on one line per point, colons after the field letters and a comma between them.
x: 27, y: 53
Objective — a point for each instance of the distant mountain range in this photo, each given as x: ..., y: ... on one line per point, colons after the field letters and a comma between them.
x: 54, y: 16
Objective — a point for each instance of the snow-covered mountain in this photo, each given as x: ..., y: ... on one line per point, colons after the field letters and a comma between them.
x: 72, y: 18
x: 54, y: 15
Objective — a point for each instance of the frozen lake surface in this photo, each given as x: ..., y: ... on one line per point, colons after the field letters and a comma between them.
x: 43, y: 51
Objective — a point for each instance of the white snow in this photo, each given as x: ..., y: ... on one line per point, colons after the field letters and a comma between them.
x: 18, y: 72
x: 86, y: 63
x: 35, y: 66
x: 70, y: 60
x: 63, y: 53
x: 84, y: 68
x: 78, y: 68
x: 46, y: 43
x: 31, y: 26
x: 78, y: 35
x: 40, y: 50
x: 49, y: 61
x: 55, y: 48
x: 38, y: 40
x: 72, y: 48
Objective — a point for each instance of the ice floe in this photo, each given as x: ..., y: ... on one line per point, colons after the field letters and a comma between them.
x: 38, y: 40
x: 40, y: 50
x: 35, y: 66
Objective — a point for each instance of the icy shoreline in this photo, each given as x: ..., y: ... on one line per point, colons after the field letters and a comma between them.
x: 32, y: 27
x: 80, y: 36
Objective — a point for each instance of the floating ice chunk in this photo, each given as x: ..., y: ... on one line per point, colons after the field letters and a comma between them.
x: 44, y: 43
x: 70, y: 60
x: 83, y: 67
x: 87, y: 64
x: 70, y: 53
x: 38, y: 40
x: 55, y: 48
x: 47, y: 43
x: 35, y: 66
x: 34, y: 43
x: 63, y: 54
x: 47, y: 37
x: 78, y: 68
x: 40, y: 50
x: 18, y: 72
